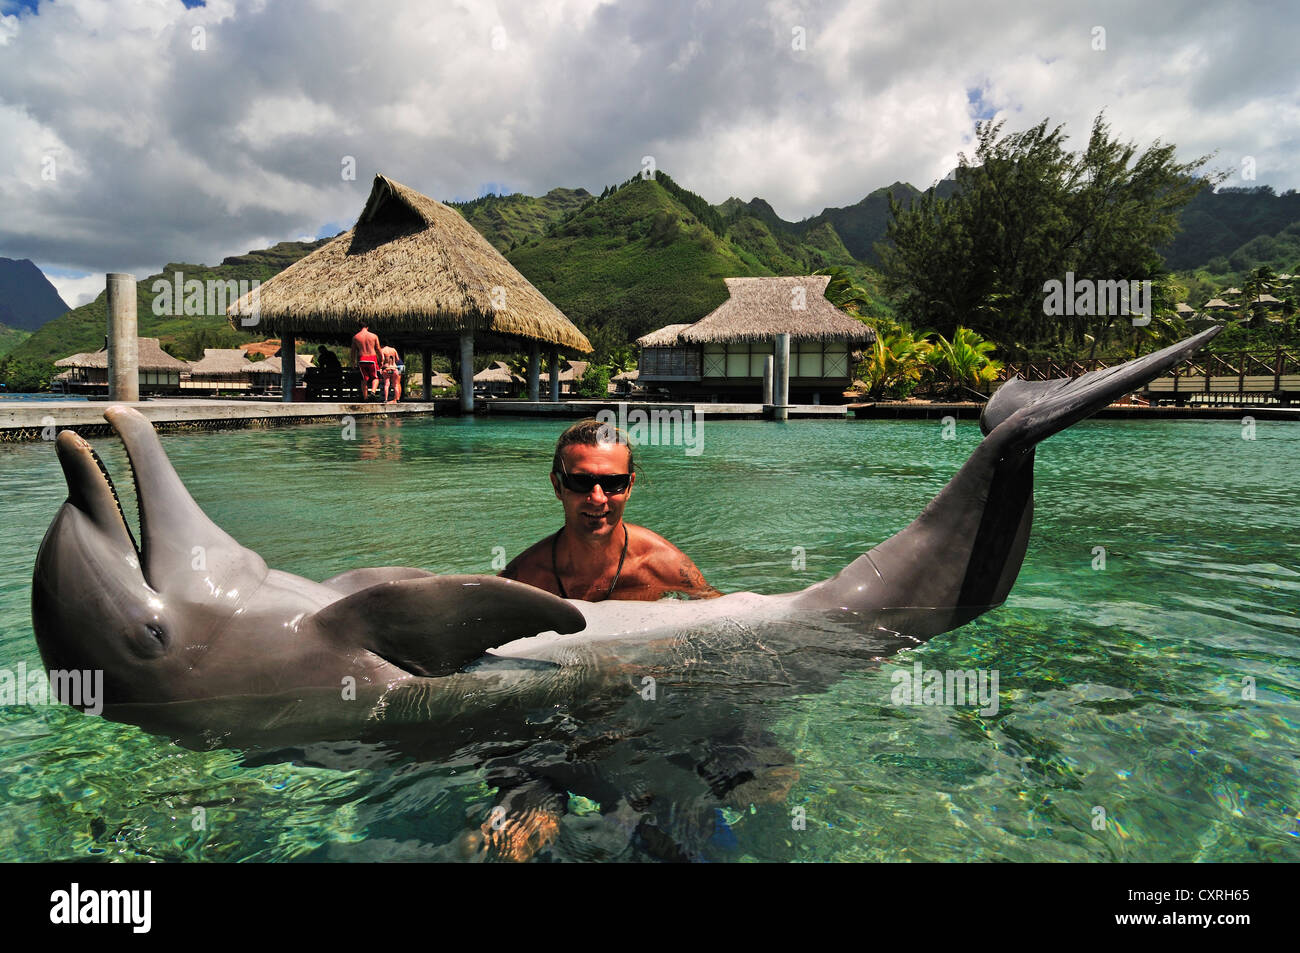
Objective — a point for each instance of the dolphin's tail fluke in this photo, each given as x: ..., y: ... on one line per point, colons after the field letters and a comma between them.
x: 961, y: 556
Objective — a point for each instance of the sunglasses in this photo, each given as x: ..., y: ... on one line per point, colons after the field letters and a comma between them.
x: 611, y: 484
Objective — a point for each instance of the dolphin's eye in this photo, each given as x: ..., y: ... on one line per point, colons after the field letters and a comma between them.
x: 149, y: 640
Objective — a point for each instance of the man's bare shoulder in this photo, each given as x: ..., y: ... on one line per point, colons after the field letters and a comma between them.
x: 671, y: 567
x: 533, y: 565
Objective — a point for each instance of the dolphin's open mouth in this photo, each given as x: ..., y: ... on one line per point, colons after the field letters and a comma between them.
x: 117, y: 500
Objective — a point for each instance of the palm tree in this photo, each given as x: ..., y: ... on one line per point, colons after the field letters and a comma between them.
x: 967, y: 359
x: 1261, y: 281
x: 844, y: 291
x: 898, y: 360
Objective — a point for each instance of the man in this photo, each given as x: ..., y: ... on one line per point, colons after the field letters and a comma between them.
x: 596, y: 555
x: 326, y: 360
x: 365, y: 355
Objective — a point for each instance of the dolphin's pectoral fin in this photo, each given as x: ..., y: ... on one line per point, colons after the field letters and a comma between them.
x: 961, y: 556
x: 357, y: 579
x: 436, y: 625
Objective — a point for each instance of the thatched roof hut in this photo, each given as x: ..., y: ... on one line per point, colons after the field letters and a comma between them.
x: 498, y: 372
x: 221, y: 362
x: 573, y: 371
x: 664, y: 337
x: 1183, y: 307
x: 151, y: 358
x: 761, y: 308
x: 420, y: 274
x: 273, y: 365
x: 1217, y: 304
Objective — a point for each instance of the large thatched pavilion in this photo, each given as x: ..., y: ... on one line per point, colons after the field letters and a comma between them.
x: 725, y: 353
x: 422, y: 277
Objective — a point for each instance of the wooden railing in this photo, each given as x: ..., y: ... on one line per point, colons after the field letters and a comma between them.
x: 1248, y: 375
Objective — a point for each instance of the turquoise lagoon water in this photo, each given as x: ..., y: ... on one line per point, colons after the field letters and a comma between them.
x: 1121, y: 689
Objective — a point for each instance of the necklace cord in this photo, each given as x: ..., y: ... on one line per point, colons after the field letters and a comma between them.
x: 555, y: 566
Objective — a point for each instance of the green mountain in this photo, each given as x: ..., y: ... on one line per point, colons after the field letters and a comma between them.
x: 27, y: 299
x: 837, y: 236
x: 634, y: 260
x: 507, y: 220
x: 183, y: 335
x: 1218, y: 224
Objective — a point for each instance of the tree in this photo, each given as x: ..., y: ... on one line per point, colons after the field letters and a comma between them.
x: 897, y: 362
x: 966, y: 359
x: 1026, y: 211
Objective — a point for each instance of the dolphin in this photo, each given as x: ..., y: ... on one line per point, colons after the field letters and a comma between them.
x: 194, y: 633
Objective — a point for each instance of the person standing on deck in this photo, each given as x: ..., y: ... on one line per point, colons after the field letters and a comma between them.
x: 365, y: 355
x: 391, y: 370
x: 595, y: 555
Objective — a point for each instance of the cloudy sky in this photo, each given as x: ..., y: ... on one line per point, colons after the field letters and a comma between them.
x: 137, y: 132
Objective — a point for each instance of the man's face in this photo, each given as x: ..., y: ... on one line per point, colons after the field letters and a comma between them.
x: 595, y: 513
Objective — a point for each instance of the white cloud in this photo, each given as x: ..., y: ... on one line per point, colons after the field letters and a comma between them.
x: 75, y: 289
x: 177, y: 145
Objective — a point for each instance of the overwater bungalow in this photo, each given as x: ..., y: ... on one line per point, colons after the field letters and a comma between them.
x: 220, y: 370
x: 87, y: 373
x: 571, y: 375
x: 424, y: 279
x: 723, y: 355
x: 497, y: 380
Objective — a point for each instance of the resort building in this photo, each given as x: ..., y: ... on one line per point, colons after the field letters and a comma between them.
x: 87, y: 373
x: 723, y: 355
x: 424, y: 279
x: 220, y: 370
x: 570, y: 375
x: 497, y: 380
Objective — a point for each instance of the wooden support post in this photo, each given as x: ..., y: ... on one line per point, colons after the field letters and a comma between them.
x: 555, y: 376
x: 123, y: 342
x: 781, y: 383
x: 426, y: 359
x: 288, y: 365
x: 467, y: 372
x: 534, y: 371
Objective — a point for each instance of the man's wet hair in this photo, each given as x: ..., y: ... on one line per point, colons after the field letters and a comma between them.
x: 592, y: 433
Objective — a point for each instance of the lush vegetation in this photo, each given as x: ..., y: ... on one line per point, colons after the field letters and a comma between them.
x: 507, y: 220
x: 631, y: 262
x: 10, y: 338
x: 1026, y: 211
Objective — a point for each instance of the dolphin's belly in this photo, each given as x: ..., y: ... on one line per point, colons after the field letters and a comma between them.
x: 639, y: 623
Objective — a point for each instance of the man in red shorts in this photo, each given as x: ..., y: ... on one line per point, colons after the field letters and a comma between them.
x: 365, y: 355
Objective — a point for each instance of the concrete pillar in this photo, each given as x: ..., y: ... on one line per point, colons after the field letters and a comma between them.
x: 123, y: 340
x: 767, y: 379
x: 781, y: 383
x: 467, y: 372
x: 426, y: 358
x: 288, y: 365
x: 534, y: 371
x: 555, y: 376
